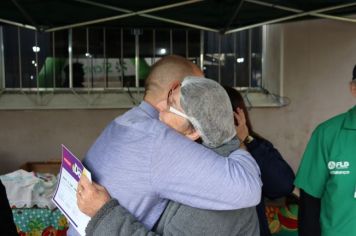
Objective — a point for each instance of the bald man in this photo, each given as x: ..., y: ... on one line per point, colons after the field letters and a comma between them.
x: 142, y: 162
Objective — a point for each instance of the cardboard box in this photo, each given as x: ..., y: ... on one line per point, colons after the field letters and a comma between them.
x: 42, y: 167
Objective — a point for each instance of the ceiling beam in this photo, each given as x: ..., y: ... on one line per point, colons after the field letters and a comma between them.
x: 129, y: 13
x: 193, y: 26
x: 300, y: 14
x: 338, y: 18
x: 18, y: 24
x: 266, y: 4
x: 233, y: 17
x: 163, y: 19
x: 265, y: 23
x: 114, y: 8
x: 316, y: 13
x: 25, y: 13
x: 143, y: 13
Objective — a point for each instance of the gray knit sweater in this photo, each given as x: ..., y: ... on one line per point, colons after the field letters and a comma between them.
x: 177, y: 219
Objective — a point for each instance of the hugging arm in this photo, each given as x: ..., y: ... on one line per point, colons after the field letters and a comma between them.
x: 191, y: 174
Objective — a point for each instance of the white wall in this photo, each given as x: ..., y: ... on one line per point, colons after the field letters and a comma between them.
x: 317, y: 61
x: 37, y: 135
x: 314, y: 58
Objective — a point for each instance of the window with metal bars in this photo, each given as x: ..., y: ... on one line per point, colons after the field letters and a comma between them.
x: 106, y: 57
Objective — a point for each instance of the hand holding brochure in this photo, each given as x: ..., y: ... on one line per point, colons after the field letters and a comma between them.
x: 65, y: 195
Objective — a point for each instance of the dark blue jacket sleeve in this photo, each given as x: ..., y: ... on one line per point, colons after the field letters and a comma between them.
x: 308, y: 215
x: 7, y: 225
x: 277, y: 176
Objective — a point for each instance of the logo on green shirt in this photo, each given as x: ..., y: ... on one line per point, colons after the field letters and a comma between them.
x: 339, y: 167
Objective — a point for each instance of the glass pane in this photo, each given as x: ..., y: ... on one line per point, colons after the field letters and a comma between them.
x: 11, y: 57
x: 44, y: 60
x: 97, y: 77
x: 162, y: 43
x: 193, y: 44
x: 146, y: 55
x: 80, y: 54
x: 60, y: 58
x: 106, y: 57
x: 113, y: 54
x: 179, y: 43
x: 28, y: 49
x: 242, y: 57
x: 211, y: 55
x: 256, y: 57
x: 128, y: 63
x: 227, y: 60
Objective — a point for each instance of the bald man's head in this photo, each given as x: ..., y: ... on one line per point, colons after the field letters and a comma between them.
x: 166, y: 72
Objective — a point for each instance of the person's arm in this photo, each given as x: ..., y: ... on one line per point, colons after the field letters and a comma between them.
x: 308, y: 215
x: 107, y: 216
x: 311, y: 179
x: 113, y: 219
x: 191, y: 174
x: 6, y: 218
x: 277, y: 176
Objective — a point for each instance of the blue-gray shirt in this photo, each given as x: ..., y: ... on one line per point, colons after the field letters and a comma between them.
x: 142, y: 163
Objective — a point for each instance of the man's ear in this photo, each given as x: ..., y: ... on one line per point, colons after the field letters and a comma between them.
x: 174, y: 84
x: 193, y: 135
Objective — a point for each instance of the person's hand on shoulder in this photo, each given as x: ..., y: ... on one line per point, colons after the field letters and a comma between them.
x: 91, y: 196
x: 241, y: 129
x: 243, y: 146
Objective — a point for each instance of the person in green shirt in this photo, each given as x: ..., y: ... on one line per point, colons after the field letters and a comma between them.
x: 327, y: 177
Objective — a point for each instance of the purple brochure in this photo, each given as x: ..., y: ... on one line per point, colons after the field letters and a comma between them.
x: 65, y: 195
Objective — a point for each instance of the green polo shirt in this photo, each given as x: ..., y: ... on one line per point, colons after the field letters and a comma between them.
x: 328, y: 172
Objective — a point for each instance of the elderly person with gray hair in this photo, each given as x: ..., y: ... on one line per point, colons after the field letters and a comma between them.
x: 196, y: 108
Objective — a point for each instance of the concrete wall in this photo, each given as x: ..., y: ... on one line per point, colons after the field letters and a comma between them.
x: 37, y: 135
x: 314, y: 59
x: 317, y: 61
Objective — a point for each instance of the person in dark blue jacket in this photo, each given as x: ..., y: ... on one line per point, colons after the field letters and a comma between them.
x: 277, y: 176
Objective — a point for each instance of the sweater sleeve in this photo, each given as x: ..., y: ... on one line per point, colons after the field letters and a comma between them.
x: 308, y: 215
x: 277, y: 176
x: 113, y: 219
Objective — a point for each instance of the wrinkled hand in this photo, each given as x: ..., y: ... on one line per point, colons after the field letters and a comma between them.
x: 241, y: 129
x: 91, y: 196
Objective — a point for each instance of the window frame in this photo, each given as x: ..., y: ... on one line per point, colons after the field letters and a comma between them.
x: 89, y: 97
